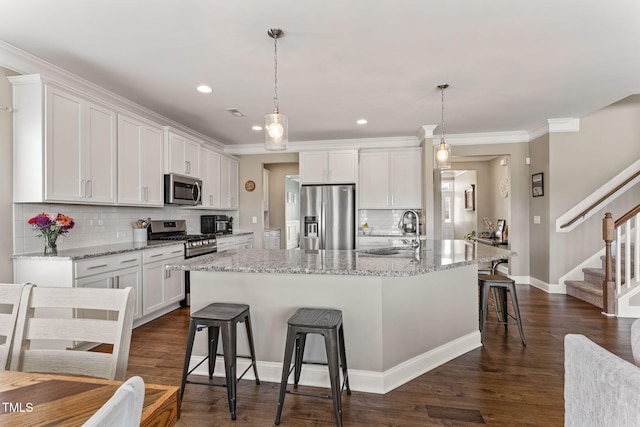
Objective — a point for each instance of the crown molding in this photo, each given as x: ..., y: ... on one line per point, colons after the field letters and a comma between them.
x: 564, y: 125
x: 333, y: 144
x: 25, y: 63
x: 510, y: 137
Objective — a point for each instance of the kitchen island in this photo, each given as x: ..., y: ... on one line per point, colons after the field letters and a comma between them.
x: 402, y: 316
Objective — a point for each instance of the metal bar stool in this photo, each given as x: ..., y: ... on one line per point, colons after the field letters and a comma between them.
x: 214, y: 317
x: 490, y: 282
x: 328, y: 323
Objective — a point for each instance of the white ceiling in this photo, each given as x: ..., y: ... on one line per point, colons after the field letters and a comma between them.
x: 510, y: 64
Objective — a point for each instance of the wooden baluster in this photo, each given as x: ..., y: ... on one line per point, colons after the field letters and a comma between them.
x: 608, y: 285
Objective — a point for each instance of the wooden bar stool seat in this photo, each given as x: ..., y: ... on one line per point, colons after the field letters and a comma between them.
x: 328, y: 323
x: 489, y: 283
x: 220, y: 317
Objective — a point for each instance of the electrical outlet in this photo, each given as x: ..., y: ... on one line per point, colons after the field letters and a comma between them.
x: 536, y: 219
x: 254, y: 219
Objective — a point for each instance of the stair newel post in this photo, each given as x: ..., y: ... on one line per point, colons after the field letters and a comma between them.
x: 608, y: 285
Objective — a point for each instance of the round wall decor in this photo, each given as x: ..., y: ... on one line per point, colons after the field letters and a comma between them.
x: 249, y: 185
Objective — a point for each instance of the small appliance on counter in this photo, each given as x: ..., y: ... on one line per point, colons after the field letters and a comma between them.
x: 216, y: 224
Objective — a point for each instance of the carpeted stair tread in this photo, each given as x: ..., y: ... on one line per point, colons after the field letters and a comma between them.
x: 585, y: 291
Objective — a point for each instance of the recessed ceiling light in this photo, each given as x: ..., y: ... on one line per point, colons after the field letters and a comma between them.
x: 361, y: 121
x: 204, y: 89
x: 256, y: 128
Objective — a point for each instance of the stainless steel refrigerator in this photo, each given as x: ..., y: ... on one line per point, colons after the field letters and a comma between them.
x: 327, y: 217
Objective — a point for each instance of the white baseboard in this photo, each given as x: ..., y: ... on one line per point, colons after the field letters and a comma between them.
x: 359, y: 380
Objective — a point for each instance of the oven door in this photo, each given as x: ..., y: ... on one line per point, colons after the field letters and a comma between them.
x: 182, y: 190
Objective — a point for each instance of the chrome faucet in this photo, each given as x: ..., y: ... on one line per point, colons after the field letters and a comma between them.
x: 415, y: 243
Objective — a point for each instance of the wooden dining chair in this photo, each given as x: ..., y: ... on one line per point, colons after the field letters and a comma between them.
x: 54, y: 324
x: 10, y: 295
x: 123, y: 409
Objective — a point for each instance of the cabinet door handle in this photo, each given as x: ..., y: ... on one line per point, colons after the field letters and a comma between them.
x: 110, y: 282
x: 211, y: 200
x: 167, y: 274
x: 83, y: 188
x: 96, y: 266
x: 89, y: 189
x: 145, y: 192
x: 116, y: 282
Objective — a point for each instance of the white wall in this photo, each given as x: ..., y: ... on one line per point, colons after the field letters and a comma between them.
x: 6, y: 177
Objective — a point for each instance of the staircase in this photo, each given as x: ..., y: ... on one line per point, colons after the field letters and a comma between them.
x: 590, y: 289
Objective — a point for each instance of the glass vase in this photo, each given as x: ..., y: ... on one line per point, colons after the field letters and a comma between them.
x: 50, y: 246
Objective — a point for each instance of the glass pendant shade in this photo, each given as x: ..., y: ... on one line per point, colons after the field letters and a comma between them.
x: 442, y: 156
x: 276, y: 132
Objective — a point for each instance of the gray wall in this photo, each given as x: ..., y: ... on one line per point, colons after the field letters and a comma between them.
x: 277, y: 194
x: 581, y: 162
x: 517, y: 201
x: 250, y: 168
x: 539, y: 206
x: 464, y: 220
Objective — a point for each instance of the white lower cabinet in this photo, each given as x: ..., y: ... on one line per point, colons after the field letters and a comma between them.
x: 110, y: 272
x: 161, y: 287
x: 157, y: 290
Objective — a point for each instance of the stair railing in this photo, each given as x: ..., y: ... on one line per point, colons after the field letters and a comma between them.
x: 625, y: 230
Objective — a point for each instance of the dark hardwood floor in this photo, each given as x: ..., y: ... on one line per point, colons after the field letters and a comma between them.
x: 502, y: 383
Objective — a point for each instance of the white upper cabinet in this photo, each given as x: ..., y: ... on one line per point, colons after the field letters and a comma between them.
x: 140, y: 159
x: 182, y: 155
x: 329, y: 167
x: 228, y: 183
x: 210, y: 174
x: 374, y: 180
x: 391, y: 179
x: 64, y: 145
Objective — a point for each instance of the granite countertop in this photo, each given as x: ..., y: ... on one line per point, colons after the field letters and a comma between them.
x: 435, y: 255
x: 96, y: 251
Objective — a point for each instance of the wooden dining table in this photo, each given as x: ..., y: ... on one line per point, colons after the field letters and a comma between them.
x: 32, y: 399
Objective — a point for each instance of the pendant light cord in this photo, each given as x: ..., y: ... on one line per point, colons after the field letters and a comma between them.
x: 442, y: 88
x: 275, y: 80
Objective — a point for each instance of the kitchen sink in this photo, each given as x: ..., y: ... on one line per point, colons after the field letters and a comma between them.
x: 393, y: 251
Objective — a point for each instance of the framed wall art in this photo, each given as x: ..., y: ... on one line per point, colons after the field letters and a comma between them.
x: 537, y: 185
x: 470, y: 198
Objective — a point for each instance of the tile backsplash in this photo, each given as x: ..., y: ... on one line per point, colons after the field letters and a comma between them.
x: 97, y: 225
x: 383, y: 221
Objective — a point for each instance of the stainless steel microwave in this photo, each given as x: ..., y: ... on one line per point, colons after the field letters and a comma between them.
x: 182, y: 190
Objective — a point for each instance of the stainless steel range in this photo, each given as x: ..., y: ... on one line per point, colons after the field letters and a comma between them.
x: 194, y: 244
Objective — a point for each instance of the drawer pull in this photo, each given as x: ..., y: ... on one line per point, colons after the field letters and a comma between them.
x: 128, y: 260
x: 156, y: 255
x: 177, y: 252
x: 96, y: 266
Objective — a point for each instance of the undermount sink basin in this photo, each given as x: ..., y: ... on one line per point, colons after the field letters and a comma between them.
x: 396, y: 252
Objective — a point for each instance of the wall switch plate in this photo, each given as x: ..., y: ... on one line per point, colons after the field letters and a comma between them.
x: 254, y: 219
x: 527, y: 161
x: 536, y: 219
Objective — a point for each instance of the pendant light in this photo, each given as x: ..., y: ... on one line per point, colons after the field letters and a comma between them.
x: 442, y: 151
x: 276, y: 133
